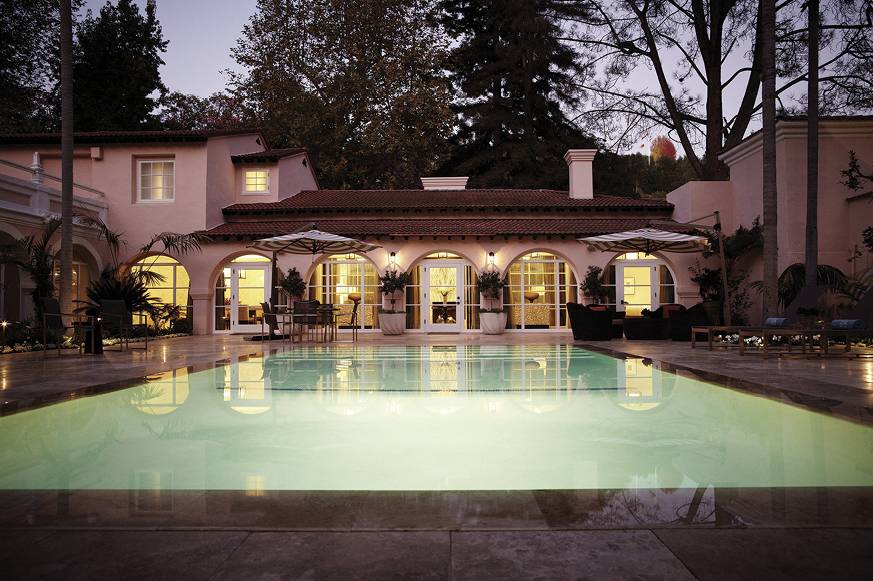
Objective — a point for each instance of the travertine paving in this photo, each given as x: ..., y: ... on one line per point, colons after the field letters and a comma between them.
x: 524, y: 549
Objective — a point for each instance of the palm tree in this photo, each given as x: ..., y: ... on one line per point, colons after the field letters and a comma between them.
x: 66, y: 278
x: 767, y: 28
x: 811, y: 257
x: 33, y: 255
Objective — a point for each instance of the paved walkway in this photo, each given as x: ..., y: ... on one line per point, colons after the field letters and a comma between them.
x: 102, y: 552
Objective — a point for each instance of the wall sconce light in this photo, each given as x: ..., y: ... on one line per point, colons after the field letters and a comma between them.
x: 490, y: 259
x: 392, y: 259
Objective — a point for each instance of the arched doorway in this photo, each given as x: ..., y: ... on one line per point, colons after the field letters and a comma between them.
x: 637, y: 281
x: 538, y: 285
x: 441, y: 296
x: 350, y: 283
x: 242, y: 285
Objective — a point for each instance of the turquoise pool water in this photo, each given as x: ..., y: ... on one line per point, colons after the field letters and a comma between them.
x: 429, y: 419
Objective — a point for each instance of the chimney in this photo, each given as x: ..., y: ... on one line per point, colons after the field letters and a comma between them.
x: 444, y: 183
x: 581, y: 174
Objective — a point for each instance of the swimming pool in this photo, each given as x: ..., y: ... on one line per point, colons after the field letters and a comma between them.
x: 628, y: 439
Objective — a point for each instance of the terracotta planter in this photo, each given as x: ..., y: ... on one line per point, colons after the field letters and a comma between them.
x: 492, y: 323
x: 393, y: 323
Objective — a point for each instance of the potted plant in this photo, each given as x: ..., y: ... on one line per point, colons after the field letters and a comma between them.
x: 492, y: 320
x: 592, y: 285
x: 293, y: 284
x: 391, y: 321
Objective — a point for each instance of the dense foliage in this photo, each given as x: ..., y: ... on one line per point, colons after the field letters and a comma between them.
x: 358, y: 83
x: 515, y: 80
x: 115, y: 72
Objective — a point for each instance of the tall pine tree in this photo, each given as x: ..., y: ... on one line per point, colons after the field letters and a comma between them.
x: 116, y: 69
x: 515, y: 78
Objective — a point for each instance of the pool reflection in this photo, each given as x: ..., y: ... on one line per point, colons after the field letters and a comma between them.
x: 580, y: 438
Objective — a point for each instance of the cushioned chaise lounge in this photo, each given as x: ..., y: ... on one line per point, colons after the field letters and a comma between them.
x: 806, y: 299
x: 859, y: 322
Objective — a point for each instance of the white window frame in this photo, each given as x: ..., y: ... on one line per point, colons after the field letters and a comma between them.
x: 264, y: 192
x: 139, y: 188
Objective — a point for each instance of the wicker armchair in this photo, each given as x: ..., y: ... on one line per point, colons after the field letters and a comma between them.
x: 705, y: 314
x: 590, y: 324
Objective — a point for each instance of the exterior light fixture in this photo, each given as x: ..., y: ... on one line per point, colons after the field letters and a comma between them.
x: 490, y: 259
x: 392, y: 258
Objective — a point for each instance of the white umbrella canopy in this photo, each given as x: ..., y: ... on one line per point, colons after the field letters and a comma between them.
x: 313, y: 242
x: 648, y: 240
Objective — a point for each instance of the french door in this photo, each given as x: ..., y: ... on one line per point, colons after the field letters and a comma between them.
x: 443, y: 297
x: 242, y: 287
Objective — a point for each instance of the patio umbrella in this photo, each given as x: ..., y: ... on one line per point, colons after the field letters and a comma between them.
x: 650, y: 240
x: 311, y: 241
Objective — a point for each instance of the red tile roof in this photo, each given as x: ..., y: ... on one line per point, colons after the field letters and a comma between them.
x: 271, y: 155
x: 126, y: 136
x: 444, y: 227
x: 421, y: 199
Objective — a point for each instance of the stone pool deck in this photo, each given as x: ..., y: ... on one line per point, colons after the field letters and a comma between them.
x: 828, y: 551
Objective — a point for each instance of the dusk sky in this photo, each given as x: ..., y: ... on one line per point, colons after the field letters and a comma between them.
x: 201, y: 34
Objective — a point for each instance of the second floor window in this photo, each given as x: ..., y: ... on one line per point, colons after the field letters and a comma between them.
x: 257, y: 181
x: 156, y: 180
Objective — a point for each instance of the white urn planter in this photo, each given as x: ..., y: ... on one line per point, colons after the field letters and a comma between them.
x: 492, y: 323
x: 392, y: 323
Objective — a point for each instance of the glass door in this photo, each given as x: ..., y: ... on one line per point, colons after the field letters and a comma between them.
x: 239, y: 291
x: 638, y: 292
x: 443, y: 298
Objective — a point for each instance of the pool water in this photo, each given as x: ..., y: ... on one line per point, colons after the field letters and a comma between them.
x: 473, y: 418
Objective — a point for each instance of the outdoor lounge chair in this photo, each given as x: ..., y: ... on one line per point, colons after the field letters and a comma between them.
x: 806, y: 298
x: 862, y: 313
x: 705, y: 314
x: 590, y: 324
x: 115, y: 312
x: 53, y: 320
x: 655, y: 326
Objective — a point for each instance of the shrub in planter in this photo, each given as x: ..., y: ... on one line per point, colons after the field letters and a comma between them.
x: 293, y: 284
x: 592, y: 285
x: 390, y: 321
x: 492, y: 321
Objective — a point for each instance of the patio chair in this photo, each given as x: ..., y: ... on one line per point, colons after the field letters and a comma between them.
x: 122, y: 319
x: 53, y: 320
x: 590, y: 323
x: 858, y: 322
x: 270, y: 321
x: 656, y: 326
x: 352, y: 320
x: 807, y: 299
x: 705, y: 314
x: 305, y: 316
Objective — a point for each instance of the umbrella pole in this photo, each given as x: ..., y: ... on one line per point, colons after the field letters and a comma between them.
x: 274, y: 290
x: 724, y: 279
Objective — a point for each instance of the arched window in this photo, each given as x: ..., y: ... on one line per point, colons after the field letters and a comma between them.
x: 539, y: 284
x: 350, y: 283
x: 173, y: 288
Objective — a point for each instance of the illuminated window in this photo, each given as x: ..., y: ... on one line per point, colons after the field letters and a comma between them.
x: 257, y: 182
x: 170, y: 288
x: 256, y: 486
x: 156, y: 180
